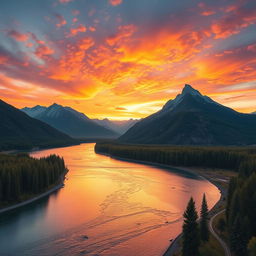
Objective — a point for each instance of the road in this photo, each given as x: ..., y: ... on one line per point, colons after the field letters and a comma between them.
x: 223, y: 244
x: 175, y: 244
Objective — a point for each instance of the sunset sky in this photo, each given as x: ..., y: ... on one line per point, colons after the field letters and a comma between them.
x: 125, y: 58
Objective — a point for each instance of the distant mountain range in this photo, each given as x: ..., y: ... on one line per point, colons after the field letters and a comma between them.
x: 19, y: 131
x: 119, y: 126
x: 69, y: 121
x: 193, y: 119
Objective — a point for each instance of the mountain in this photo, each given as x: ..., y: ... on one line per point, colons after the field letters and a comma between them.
x: 254, y: 113
x: 69, y: 121
x: 119, y: 126
x: 193, y: 119
x: 19, y: 131
x: 33, y: 112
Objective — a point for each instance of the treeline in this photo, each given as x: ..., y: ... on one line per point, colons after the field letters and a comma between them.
x: 241, y: 209
x: 22, y: 176
x: 25, y: 144
x: 241, y: 203
x: 213, y: 157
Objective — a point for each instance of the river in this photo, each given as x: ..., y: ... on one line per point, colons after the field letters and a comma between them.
x: 107, y: 207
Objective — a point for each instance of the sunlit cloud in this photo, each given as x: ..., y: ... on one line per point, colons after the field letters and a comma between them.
x: 61, y: 21
x: 115, y: 2
x: 79, y: 29
x: 125, y: 62
x: 17, y: 35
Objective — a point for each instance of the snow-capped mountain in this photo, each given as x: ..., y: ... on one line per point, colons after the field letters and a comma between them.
x: 188, y: 89
x: 32, y: 112
x: 70, y: 121
x: 20, y: 131
x: 193, y: 119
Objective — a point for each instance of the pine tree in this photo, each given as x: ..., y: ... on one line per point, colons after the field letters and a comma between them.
x: 190, y: 232
x: 252, y: 246
x: 204, y: 230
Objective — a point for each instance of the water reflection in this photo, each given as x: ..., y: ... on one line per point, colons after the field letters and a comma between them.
x: 107, y: 207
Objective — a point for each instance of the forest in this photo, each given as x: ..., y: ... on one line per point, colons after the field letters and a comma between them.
x: 22, y: 176
x: 241, y: 202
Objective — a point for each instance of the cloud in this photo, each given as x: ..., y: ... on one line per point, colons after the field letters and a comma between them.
x: 79, y: 29
x: 234, y: 21
x: 61, y: 20
x: 43, y: 50
x: 17, y: 35
x: 115, y: 2
x: 121, y: 108
x: 135, y: 61
x: 65, y: 1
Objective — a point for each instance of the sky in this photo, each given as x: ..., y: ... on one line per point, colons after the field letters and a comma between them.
x: 123, y: 59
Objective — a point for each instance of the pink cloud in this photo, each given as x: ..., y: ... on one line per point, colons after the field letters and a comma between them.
x: 61, y: 21
x: 43, y: 50
x: 75, y: 12
x: 234, y: 22
x: 115, y: 2
x: 17, y: 36
x: 65, y: 1
x: 208, y: 13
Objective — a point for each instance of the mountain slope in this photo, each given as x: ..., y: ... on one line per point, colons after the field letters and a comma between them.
x: 69, y: 121
x: 18, y: 130
x: 193, y: 119
x: 119, y: 126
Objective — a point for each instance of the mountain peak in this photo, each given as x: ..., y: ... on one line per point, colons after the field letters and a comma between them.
x: 188, y: 89
x: 55, y: 105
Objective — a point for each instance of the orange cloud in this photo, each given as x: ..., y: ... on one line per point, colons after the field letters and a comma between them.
x: 120, y: 108
x: 123, y: 32
x: 115, y: 2
x: 80, y: 29
x: 92, y: 29
x: 136, y: 67
x: 61, y: 21
x: 18, y: 36
x: 234, y: 22
x: 207, y: 13
x: 43, y: 50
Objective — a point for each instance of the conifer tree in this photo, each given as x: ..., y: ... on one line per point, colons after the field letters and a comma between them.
x: 190, y: 232
x: 252, y: 246
x: 204, y: 230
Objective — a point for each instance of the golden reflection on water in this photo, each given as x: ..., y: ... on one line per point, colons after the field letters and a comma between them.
x: 122, y: 208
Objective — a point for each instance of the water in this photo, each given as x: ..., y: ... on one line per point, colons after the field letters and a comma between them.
x: 107, y: 207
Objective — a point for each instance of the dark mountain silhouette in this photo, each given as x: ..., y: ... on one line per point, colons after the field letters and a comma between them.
x: 69, y: 121
x: 19, y: 131
x: 193, y: 119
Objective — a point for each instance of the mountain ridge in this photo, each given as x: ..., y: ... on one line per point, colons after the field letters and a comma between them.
x: 20, y: 131
x: 193, y: 119
x: 69, y: 121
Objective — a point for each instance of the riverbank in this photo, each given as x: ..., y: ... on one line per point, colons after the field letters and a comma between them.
x: 218, y: 177
x: 37, y: 197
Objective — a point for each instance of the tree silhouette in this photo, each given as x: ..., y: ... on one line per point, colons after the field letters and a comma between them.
x: 204, y: 230
x: 190, y: 232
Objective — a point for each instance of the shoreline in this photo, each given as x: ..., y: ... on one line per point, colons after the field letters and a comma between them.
x: 35, y: 198
x: 223, y: 192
